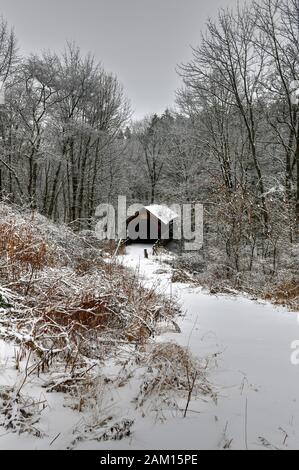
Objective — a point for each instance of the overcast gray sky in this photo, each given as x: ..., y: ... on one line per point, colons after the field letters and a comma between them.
x: 140, y: 40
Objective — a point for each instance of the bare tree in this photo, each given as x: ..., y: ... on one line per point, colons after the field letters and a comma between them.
x: 8, y: 61
x: 152, y: 148
x: 228, y: 65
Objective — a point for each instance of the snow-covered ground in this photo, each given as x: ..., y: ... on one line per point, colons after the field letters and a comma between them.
x: 249, y: 346
x: 258, y: 393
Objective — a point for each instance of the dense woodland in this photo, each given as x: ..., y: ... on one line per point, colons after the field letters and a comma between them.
x: 231, y: 142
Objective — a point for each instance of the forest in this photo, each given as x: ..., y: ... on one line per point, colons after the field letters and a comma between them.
x: 117, y: 336
x: 231, y: 142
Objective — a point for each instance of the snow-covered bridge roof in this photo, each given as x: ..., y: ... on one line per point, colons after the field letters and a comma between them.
x: 162, y: 212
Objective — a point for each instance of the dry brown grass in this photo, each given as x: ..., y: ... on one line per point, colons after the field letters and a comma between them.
x: 70, y: 310
x: 284, y: 293
x: 111, y: 247
x: 181, y: 276
x: 171, y: 368
x: 22, y: 251
x: 68, y: 299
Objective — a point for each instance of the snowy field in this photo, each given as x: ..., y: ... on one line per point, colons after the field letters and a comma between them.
x: 253, y: 368
x: 248, y: 344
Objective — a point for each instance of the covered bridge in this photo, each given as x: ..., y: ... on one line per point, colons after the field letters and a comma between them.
x: 150, y: 224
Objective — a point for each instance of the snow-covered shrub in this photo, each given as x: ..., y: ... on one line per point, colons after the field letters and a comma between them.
x: 170, y: 369
x: 18, y: 413
x: 68, y: 300
x: 193, y: 262
x: 30, y: 239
